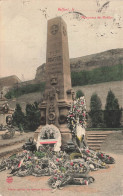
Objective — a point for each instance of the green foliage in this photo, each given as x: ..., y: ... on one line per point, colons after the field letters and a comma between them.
x: 32, y: 116
x: 96, y: 113
x: 112, y: 112
x: 29, y: 88
x: 79, y: 94
x: 18, y: 117
x: 97, y: 75
x: 30, y: 121
x: 40, y: 154
x: 77, y: 114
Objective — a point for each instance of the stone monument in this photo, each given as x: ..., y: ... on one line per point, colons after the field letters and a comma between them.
x: 5, y: 110
x: 58, y: 92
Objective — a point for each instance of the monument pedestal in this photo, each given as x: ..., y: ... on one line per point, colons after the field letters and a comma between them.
x: 65, y: 134
x: 56, y: 114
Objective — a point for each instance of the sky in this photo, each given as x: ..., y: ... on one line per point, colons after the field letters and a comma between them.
x: 23, y: 31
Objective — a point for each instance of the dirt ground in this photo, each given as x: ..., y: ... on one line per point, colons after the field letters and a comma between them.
x: 10, y: 146
x: 108, y: 182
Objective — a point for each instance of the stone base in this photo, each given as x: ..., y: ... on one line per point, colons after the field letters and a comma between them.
x: 65, y: 137
x: 37, y: 132
x: 65, y: 134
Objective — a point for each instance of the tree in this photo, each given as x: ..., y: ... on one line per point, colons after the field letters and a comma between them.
x: 112, y: 112
x: 32, y: 116
x: 79, y: 94
x: 18, y: 116
x: 96, y: 113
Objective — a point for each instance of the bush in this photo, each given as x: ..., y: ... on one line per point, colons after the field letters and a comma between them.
x: 96, y: 113
x: 30, y: 88
x: 79, y: 94
x: 112, y: 113
x: 97, y: 75
x: 32, y: 116
x: 18, y: 117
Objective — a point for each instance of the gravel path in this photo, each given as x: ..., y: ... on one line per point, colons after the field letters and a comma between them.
x: 17, y: 137
x: 14, y: 145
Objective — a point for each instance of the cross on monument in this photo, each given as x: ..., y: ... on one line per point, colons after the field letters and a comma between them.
x: 54, y: 29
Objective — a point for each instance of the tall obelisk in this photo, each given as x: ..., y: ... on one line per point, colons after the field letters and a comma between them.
x: 58, y: 92
x: 57, y: 57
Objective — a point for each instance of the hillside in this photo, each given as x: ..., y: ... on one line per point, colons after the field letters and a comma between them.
x: 101, y: 89
x: 9, y: 81
x: 108, y: 58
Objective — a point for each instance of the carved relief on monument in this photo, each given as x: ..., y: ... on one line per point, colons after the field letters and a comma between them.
x: 55, y: 58
x: 54, y: 29
x: 52, y: 117
x: 62, y: 119
x: 52, y: 108
x: 53, y: 81
x: 54, y: 65
x: 53, y: 78
x: 51, y: 94
x: 53, y: 53
x: 43, y: 120
x: 51, y: 114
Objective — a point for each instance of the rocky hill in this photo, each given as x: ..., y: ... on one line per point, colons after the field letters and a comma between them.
x: 40, y: 73
x: 9, y: 80
x: 89, y: 62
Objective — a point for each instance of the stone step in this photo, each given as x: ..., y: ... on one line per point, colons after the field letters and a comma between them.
x: 96, y: 135
x: 98, y: 132
x: 95, y: 148
x: 95, y: 139
x: 94, y: 142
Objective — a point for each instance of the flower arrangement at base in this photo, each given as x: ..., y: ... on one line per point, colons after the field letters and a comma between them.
x: 77, y: 114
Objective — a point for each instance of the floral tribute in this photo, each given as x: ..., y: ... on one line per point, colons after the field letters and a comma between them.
x: 77, y: 113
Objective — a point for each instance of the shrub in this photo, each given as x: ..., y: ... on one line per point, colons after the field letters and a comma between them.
x: 29, y: 88
x: 18, y: 117
x: 112, y: 114
x: 32, y: 116
x: 96, y: 113
x: 97, y: 75
x: 79, y: 94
